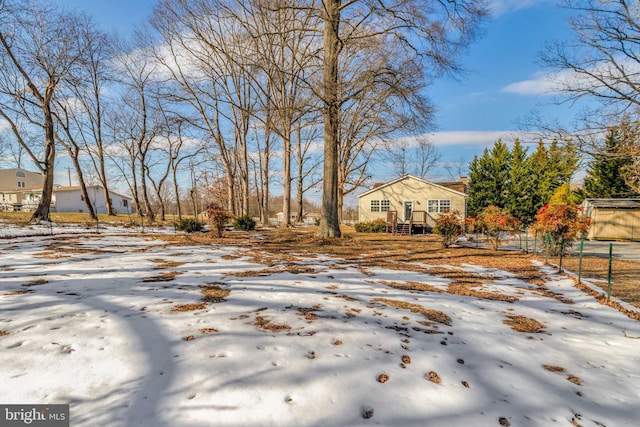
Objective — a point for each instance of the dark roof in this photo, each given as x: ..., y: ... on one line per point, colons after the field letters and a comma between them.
x: 458, y: 186
x: 614, y: 203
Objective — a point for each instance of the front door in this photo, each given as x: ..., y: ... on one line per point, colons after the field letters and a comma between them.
x: 408, y: 208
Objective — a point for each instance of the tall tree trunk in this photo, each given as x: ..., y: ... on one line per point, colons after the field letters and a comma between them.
x: 286, y: 178
x: 329, y: 221
x: 42, y: 211
x: 83, y: 185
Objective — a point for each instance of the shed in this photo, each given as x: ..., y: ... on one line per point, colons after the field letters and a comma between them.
x: 613, y: 219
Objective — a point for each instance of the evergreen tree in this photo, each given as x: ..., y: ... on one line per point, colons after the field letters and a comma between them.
x: 519, y: 201
x: 541, y: 177
x: 489, y: 178
x: 604, y: 174
x: 517, y: 182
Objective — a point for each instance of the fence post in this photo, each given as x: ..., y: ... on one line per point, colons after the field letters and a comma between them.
x: 546, y: 256
x: 609, y: 274
x: 580, y: 262
x: 526, y: 240
x: 561, y: 254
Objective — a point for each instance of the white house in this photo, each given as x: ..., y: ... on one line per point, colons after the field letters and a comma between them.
x: 70, y: 199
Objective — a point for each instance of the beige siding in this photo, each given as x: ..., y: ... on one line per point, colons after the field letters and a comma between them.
x: 407, y: 189
x: 615, y: 224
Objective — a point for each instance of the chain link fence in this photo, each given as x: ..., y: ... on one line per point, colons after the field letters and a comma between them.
x: 608, y: 270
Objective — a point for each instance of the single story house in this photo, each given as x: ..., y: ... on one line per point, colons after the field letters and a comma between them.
x: 70, y: 199
x: 20, y: 189
x: 613, y: 219
x: 409, y: 203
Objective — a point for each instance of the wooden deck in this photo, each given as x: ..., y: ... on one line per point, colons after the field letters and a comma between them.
x: 419, y: 223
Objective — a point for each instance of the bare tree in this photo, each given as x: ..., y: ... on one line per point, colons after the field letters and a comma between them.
x: 599, y: 64
x: 203, y: 53
x: 416, y: 156
x: 88, y: 92
x: 142, y: 122
x: 39, y: 47
x: 433, y: 32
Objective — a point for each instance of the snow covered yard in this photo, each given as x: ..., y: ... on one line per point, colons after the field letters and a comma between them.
x: 136, y: 331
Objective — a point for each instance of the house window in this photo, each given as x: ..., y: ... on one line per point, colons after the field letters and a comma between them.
x: 125, y: 203
x: 20, y: 174
x: 439, y: 206
x: 380, y: 206
x: 21, y: 184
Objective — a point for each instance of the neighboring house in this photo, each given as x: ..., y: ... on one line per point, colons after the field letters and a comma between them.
x: 411, y: 202
x: 70, y: 199
x: 613, y: 219
x: 20, y: 189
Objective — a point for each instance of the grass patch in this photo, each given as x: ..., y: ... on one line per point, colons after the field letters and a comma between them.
x: 466, y: 290
x: 3, y: 333
x: 189, y: 307
x: 524, y: 324
x: 213, y: 293
x: 163, y: 263
x: 264, y: 323
x: 37, y: 282
x: 163, y: 277
x: 432, y: 315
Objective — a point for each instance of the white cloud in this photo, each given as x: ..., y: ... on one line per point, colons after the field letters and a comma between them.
x: 501, y: 7
x: 477, y: 137
x: 542, y: 84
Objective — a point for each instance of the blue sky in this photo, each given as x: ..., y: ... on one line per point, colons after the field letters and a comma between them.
x: 502, y: 84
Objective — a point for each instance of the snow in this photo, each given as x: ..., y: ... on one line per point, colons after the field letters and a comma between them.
x: 89, y: 322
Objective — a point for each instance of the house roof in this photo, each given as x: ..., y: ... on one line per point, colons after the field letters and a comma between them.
x: 614, y: 203
x: 378, y: 187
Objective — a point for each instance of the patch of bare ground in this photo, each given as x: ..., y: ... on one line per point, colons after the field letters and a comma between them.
x: 432, y: 315
x: 524, y: 324
x: 12, y: 293
x: 466, y: 289
x: 3, y: 333
x: 162, y: 264
x: 471, y: 291
x: 36, y: 282
x: 213, y: 293
x: 166, y: 276
x: 189, y: 307
x: 419, y: 254
x: 264, y: 323
x: 560, y: 370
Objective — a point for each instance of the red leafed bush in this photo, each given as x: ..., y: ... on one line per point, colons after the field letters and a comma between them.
x: 560, y: 221
x: 218, y: 217
x: 495, y: 223
x: 449, y: 226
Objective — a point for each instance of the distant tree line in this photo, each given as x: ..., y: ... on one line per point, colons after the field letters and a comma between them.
x: 244, y: 94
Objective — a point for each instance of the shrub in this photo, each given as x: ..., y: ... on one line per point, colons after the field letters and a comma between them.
x: 449, y: 226
x: 218, y: 217
x: 244, y: 223
x: 562, y: 222
x: 189, y: 225
x: 494, y: 223
x: 376, y: 226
